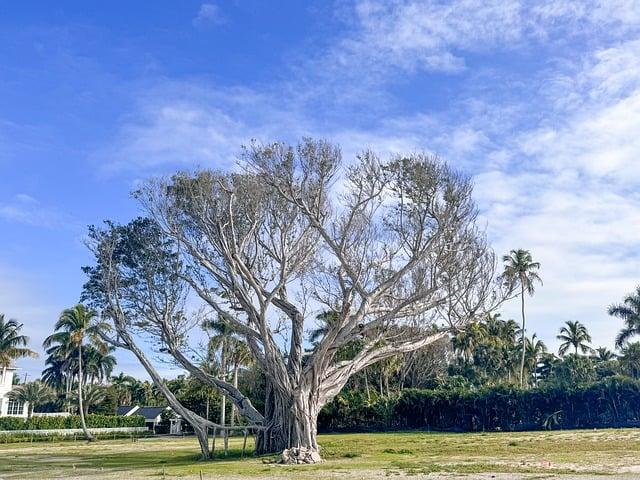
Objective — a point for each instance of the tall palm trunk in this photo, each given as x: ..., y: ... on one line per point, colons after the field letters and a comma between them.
x: 523, y: 334
x: 67, y: 398
x: 86, y: 431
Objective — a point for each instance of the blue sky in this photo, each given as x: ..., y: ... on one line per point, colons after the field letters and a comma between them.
x: 540, y: 101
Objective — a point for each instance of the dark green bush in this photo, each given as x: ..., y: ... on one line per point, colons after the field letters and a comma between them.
x: 73, y: 421
x: 57, y: 437
x: 612, y: 402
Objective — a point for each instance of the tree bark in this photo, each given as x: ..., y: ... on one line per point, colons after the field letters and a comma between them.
x: 366, y: 384
x: 223, y: 400
x: 291, y: 422
x: 86, y: 431
x: 234, y: 410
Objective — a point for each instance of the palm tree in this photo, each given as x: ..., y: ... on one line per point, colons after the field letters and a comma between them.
x: 500, y: 338
x: 630, y: 359
x: 61, y: 365
x: 467, y: 340
x: 576, y: 335
x: 629, y: 312
x: 534, y: 348
x: 92, y: 396
x: 520, y: 270
x: 98, y: 363
x: 13, y: 345
x: 239, y: 356
x: 602, y: 354
x: 76, y: 326
x: 34, y: 394
x: 123, y: 386
x: 219, y: 346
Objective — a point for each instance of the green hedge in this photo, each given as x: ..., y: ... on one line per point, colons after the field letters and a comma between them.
x: 72, y: 421
x: 612, y: 402
x: 56, y: 437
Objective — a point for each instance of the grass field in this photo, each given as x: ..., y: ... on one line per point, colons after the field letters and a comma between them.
x: 567, y: 454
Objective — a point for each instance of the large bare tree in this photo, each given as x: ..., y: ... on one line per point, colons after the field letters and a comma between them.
x: 390, y: 248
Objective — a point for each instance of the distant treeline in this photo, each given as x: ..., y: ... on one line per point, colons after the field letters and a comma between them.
x: 612, y: 402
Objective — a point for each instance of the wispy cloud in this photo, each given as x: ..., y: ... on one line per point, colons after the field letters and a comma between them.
x: 181, y: 124
x: 25, y: 209
x: 554, y: 151
x: 435, y: 35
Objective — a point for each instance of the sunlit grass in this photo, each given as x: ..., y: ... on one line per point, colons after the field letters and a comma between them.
x: 393, y: 454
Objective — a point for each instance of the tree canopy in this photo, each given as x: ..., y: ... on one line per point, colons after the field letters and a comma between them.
x: 391, y: 248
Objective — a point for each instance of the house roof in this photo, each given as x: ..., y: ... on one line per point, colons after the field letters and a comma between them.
x: 123, y: 410
x: 150, y: 413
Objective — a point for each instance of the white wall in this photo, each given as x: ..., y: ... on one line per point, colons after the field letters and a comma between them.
x: 6, y: 385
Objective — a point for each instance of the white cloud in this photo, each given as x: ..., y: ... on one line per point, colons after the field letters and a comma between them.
x: 556, y: 164
x: 185, y: 124
x: 209, y: 13
x: 569, y: 191
x: 428, y: 35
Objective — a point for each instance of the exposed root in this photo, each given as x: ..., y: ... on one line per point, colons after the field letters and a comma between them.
x: 299, y: 455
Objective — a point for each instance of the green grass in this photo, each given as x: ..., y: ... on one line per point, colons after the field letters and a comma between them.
x: 355, y: 455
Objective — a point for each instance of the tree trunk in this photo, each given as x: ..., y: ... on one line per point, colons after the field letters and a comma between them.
x: 366, y: 384
x: 234, y: 410
x: 386, y: 384
x: 223, y: 400
x: 223, y: 420
x: 291, y: 423
x: 86, y: 431
x: 523, y: 335
x: 67, y: 398
x: 198, y: 423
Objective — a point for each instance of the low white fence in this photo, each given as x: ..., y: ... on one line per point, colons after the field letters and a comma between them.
x: 51, y: 414
x: 73, y: 431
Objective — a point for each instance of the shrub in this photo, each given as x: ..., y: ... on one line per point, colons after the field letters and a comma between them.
x: 72, y: 421
x: 611, y: 402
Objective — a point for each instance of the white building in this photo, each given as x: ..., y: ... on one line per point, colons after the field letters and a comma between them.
x: 9, y: 408
x: 152, y: 417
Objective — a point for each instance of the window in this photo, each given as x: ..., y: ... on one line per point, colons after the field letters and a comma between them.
x: 15, y: 408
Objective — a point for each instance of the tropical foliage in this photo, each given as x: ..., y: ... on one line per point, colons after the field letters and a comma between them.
x: 34, y: 393
x: 574, y: 335
x: 78, y: 353
x: 629, y: 312
x: 13, y: 345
